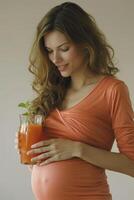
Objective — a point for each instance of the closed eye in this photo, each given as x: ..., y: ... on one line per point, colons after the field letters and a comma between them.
x: 63, y: 49
x: 47, y: 50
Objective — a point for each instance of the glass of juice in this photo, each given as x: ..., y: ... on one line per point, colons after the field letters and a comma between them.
x: 31, y: 131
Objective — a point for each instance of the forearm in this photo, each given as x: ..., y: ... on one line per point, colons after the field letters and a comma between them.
x: 105, y: 159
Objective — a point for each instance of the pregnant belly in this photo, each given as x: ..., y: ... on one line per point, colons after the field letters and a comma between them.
x: 70, y: 179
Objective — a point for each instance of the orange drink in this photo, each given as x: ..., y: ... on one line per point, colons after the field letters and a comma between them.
x: 31, y: 131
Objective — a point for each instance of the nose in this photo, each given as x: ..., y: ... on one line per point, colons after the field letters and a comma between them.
x: 56, y: 58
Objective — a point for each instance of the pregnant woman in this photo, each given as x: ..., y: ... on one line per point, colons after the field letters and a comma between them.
x: 85, y: 105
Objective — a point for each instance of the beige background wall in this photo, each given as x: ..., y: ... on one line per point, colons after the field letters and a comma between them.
x: 18, y: 20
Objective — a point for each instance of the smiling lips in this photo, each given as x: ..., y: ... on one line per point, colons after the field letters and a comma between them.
x: 62, y: 67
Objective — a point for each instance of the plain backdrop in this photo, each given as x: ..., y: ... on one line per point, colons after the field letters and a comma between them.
x: 18, y: 21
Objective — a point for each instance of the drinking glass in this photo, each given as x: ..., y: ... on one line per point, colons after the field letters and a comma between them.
x: 31, y: 131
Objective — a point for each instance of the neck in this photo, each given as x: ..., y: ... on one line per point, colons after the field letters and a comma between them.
x: 80, y: 80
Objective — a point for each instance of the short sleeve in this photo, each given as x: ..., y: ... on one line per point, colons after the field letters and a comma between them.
x: 122, y: 116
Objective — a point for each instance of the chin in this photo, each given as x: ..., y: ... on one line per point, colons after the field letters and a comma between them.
x: 65, y: 75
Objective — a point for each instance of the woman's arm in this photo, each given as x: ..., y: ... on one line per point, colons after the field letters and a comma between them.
x: 109, y: 160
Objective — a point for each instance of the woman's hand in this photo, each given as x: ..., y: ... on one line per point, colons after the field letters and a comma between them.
x: 54, y: 150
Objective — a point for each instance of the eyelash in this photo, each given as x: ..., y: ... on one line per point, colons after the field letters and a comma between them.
x: 64, y: 50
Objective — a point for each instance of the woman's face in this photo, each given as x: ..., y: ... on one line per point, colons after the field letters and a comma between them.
x: 66, y: 56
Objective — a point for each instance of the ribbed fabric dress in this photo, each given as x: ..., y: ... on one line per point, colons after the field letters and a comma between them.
x: 104, y: 115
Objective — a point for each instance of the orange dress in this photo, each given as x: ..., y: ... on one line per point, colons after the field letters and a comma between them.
x: 103, y: 115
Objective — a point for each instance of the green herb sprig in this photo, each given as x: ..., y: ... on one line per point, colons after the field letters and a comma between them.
x: 27, y: 107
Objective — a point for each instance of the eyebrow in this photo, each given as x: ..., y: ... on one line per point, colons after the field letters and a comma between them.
x: 58, y: 46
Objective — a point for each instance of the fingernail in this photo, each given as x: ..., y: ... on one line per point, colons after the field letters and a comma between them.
x: 32, y: 160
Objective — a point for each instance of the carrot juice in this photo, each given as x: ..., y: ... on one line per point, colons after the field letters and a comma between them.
x: 29, y: 134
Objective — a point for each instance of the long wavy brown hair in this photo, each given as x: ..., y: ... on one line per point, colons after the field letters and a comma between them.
x: 81, y: 28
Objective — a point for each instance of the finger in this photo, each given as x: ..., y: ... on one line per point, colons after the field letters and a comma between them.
x: 41, y: 157
x: 16, y: 134
x: 18, y: 151
x: 17, y: 144
x: 39, y: 150
x: 16, y: 140
x: 42, y: 143
x: 49, y: 160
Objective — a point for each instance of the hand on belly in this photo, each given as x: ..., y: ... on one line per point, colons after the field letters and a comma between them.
x: 53, y: 150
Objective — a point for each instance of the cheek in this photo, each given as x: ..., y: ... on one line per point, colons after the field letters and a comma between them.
x: 74, y: 55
